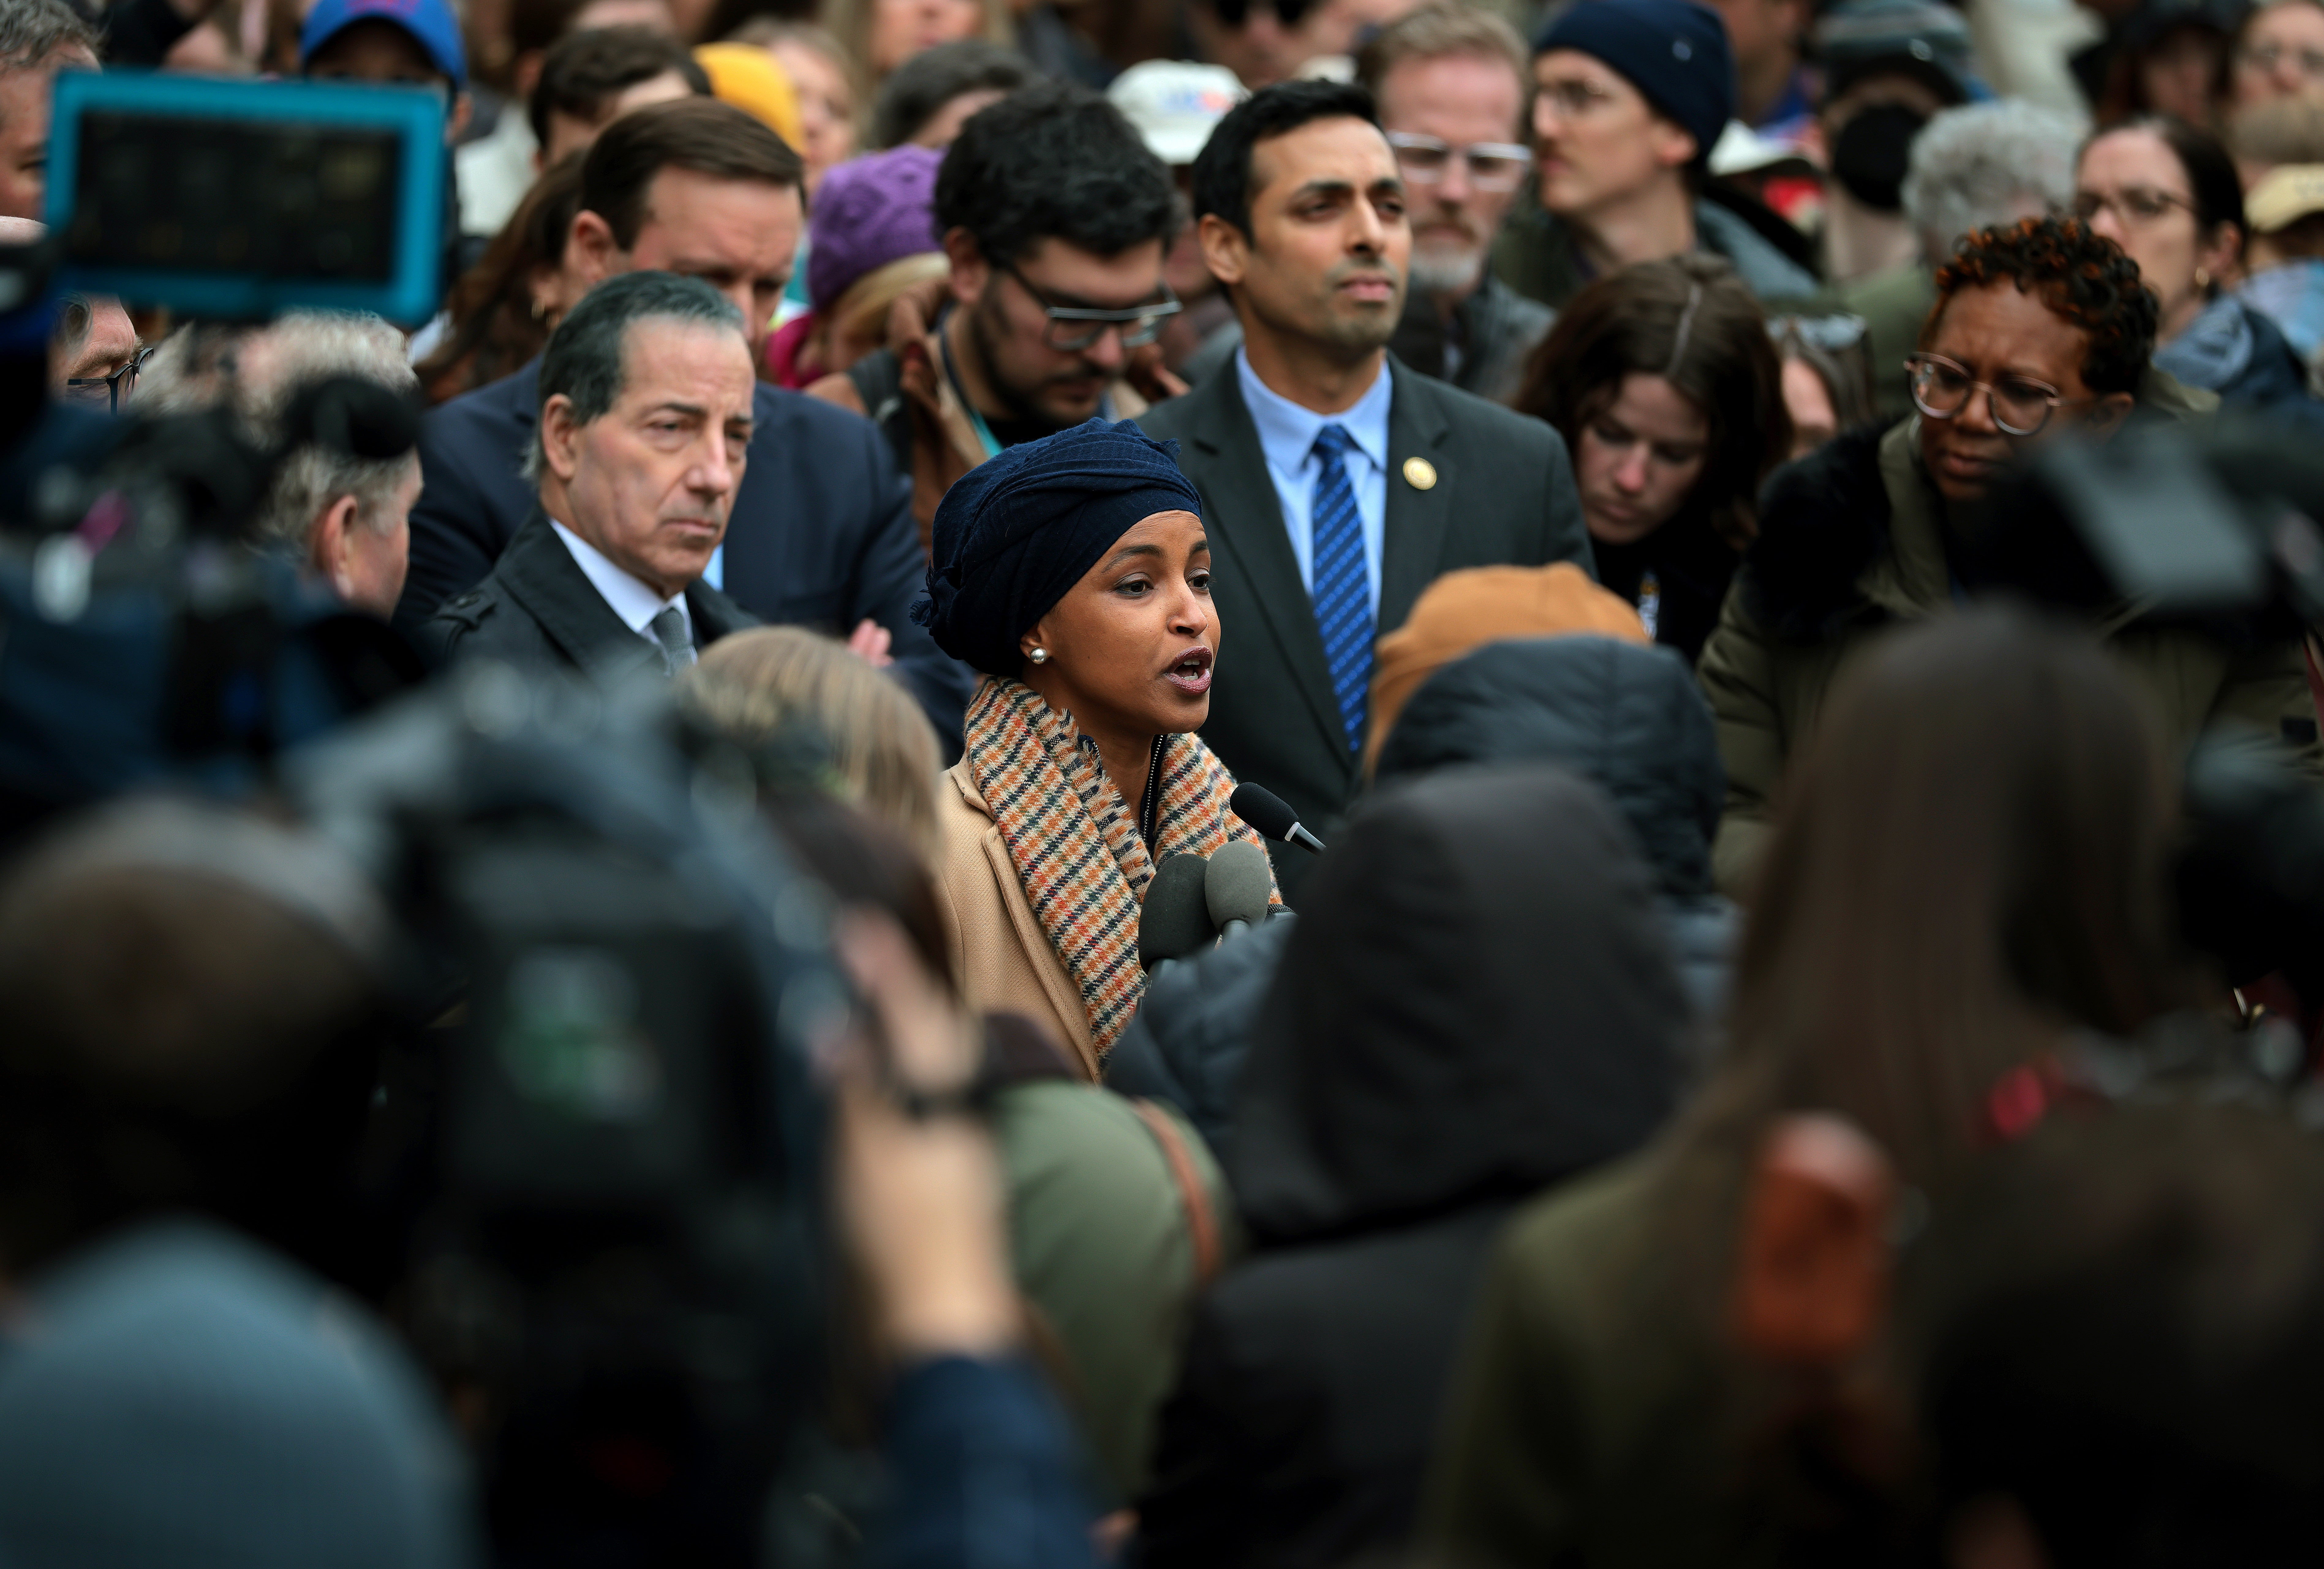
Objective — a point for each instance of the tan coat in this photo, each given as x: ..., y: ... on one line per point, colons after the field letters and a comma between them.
x: 1005, y: 962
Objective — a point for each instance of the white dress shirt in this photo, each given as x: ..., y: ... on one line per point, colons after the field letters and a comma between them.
x: 628, y: 598
x: 1286, y: 435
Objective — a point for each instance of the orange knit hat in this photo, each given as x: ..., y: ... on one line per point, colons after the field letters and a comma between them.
x: 1463, y: 610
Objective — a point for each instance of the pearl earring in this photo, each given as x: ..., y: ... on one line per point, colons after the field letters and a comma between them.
x: 1039, y: 656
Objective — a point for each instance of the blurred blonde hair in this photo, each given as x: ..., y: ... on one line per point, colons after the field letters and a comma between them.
x: 850, y: 22
x: 754, y: 684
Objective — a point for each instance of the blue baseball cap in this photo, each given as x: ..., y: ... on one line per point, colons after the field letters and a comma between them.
x: 430, y: 22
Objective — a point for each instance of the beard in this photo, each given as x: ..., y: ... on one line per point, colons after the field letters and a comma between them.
x: 1020, y: 401
x: 1364, y: 331
x: 1446, y: 267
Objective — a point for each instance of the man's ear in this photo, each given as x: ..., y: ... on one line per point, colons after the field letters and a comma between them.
x: 328, y: 545
x: 595, y: 255
x: 1812, y: 1264
x: 970, y: 270
x: 1673, y: 145
x: 561, y: 437
x: 1226, y: 250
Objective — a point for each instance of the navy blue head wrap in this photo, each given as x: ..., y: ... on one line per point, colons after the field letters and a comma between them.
x: 1018, y: 531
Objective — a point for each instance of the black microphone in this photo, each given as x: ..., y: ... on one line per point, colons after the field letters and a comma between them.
x: 1236, y: 886
x: 1176, y: 920
x: 1266, y: 811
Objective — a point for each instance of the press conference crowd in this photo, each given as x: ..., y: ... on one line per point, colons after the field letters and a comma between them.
x: 1505, y: 897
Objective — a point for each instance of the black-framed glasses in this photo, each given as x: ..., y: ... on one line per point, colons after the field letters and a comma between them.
x: 2021, y: 406
x: 118, y: 386
x: 2135, y: 203
x: 1073, y: 328
x: 1494, y: 166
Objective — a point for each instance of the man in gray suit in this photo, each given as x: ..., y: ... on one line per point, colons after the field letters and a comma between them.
x: 1336, y: 484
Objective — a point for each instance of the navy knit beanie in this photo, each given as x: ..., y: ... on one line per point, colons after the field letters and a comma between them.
x: 1673, y: 51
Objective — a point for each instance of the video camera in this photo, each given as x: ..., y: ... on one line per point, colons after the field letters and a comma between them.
x: 613, y: 1265
x: 146, y: 638
x: 2215, y: 528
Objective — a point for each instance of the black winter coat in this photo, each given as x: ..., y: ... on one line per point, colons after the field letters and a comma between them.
x: 1459, y: 1020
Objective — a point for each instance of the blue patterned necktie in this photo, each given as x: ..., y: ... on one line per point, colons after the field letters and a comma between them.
x: 1342, y: 591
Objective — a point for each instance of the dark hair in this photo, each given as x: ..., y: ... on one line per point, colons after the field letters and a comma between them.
x: 2082, y: 276
x: 194, y: 1023
x: 1054, y: 160
x: 916, y: 90
x: 699, y: 134
x: 2117, y: 1325
x: 1691, y: 321
x: 535, y: 24
x: 584, y: 358
x: 1222, y: 168
x: 1970, y: 853
x: 2211, y: 176
x: 585, y: 71
x: 1846, y: 372
x: 492, y: 329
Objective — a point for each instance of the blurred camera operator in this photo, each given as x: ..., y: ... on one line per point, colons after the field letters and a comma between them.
x: 645, y: 426
x: 346, y: 519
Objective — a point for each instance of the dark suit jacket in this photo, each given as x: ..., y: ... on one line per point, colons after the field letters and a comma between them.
x: 1503, y: 496
x: 821, y: 535
x: 538, y: 607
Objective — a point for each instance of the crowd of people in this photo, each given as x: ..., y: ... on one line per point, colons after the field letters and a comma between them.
x: 1296, y: 782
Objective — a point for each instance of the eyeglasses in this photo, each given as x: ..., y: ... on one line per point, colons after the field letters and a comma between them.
x: 118, y: 386
x: 2135, y: 203
x: 2020, y: 405
x: 2266, y: 57
x: 1494, y: 166
x: 1573, y: 99
x: 1073, y: 328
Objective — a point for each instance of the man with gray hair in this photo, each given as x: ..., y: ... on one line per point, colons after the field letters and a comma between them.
x: 646, y: 397
x: 346, y: 519
x: 37, y: 39
x: 1970, y: 168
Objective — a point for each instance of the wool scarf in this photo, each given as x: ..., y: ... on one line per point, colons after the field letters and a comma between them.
x: 1074, y: 841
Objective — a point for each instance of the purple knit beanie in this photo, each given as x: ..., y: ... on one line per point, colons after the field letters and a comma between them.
x: 869, y: 212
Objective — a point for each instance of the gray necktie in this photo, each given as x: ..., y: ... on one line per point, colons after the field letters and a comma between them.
x: 670, y: 630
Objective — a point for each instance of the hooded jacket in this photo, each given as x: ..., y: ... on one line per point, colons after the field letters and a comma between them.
x: 1461, y: 1019
x: 1625, y: 718
x: 1535, y: 254
x: 1853, y: 540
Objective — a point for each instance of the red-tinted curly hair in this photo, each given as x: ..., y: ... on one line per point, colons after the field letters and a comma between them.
x: 2082, y: 275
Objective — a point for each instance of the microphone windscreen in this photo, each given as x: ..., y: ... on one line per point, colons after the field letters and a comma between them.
x: 1236, y: 886
x: 1176, y: 920
x: 1265, y: 811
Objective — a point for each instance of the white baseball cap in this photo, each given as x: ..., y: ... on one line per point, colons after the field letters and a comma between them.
x: 1176, y: 103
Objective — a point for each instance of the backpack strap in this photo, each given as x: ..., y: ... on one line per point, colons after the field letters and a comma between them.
x: 1202, y: 1224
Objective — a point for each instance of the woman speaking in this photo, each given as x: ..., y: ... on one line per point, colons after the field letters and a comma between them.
x: 1074, y: 572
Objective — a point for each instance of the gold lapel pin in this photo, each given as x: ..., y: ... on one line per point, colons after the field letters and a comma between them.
x: 1420, y: 474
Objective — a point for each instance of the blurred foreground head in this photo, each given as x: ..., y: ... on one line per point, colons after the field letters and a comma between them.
x: 2115, y: 1333
x: 180, y: 1397
x: 190, y: 995
x: 1970, y: 860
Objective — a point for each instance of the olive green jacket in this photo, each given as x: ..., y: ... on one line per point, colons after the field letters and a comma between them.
x: 1778, y: 644
x: 1582, y: 1427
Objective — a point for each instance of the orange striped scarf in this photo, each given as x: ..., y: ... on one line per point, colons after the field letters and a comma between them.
x: 1075, y: 841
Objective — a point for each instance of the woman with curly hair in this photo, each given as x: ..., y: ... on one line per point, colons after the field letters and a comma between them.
x: 1668, y: 392
x: 2041, y: 328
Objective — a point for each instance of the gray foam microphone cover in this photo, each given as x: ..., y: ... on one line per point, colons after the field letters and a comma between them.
x: 1236, y: 884
x: 1176, y: 920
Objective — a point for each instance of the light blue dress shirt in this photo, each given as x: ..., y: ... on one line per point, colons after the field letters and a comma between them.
x: 1286, y: 435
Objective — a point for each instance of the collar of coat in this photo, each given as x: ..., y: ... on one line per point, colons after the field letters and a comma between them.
x: 1853, y: 533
